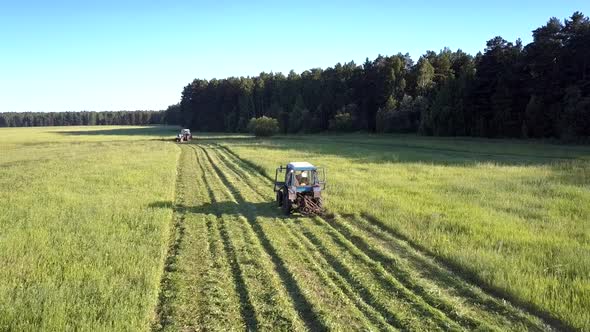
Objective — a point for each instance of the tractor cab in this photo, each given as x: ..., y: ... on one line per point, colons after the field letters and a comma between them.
x: 301, y: 187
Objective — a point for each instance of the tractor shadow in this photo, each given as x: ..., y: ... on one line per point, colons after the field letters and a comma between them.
x: 226, y: 208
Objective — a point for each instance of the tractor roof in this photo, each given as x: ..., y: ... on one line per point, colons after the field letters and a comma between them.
x: 300, y: 166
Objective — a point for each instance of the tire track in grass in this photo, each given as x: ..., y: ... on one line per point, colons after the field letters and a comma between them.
x: 332, y: 277
x: 222, y: 311
x: 302, y: 304
x: 279, y: 310
x: 240, y: 171
x: 188, y: 270
x: 194, y: 257
x: 303, y: 307
x: 215, y: 301
x: 167, y: 286
x: 248, y: 313
x: 213, y: 307
x: 245, y: 163
x: 246, y: 308
x: 273, y: 301
x: 494, y: 312
x: 219, y: 310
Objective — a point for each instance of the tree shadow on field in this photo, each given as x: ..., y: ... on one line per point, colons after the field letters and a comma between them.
x: 216, y: 137
x: 157, y: 131
x: 382, y: 150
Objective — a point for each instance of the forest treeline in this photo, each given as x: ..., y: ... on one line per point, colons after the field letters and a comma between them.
x: 35, y: 119
x: 510, y: 90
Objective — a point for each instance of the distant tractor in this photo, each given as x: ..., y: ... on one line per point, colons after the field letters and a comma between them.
x: 301, y: 188
x: 184, y: 135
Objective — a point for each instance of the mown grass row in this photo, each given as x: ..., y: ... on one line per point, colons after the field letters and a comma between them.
x: 316, y: 306
x: 354, y: 310
x: 265, y: 301
x: 336, y: 274
x: 202, y: 295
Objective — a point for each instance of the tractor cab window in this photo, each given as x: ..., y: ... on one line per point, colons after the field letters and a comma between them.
x: 303, y: 178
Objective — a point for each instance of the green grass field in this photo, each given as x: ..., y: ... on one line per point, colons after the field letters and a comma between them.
x: 81, y: 243
x: 117, y: 228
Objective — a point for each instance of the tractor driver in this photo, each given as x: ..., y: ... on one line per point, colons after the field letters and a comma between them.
x: 303, y: 180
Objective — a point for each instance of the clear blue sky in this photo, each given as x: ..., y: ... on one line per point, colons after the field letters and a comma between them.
x: 113, y: 55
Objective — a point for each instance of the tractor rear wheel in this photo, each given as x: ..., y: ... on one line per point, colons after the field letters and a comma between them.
x: 286, y: 204
x: 280, y: 198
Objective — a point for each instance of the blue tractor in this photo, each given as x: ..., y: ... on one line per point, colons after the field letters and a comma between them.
x: 301, y: 188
